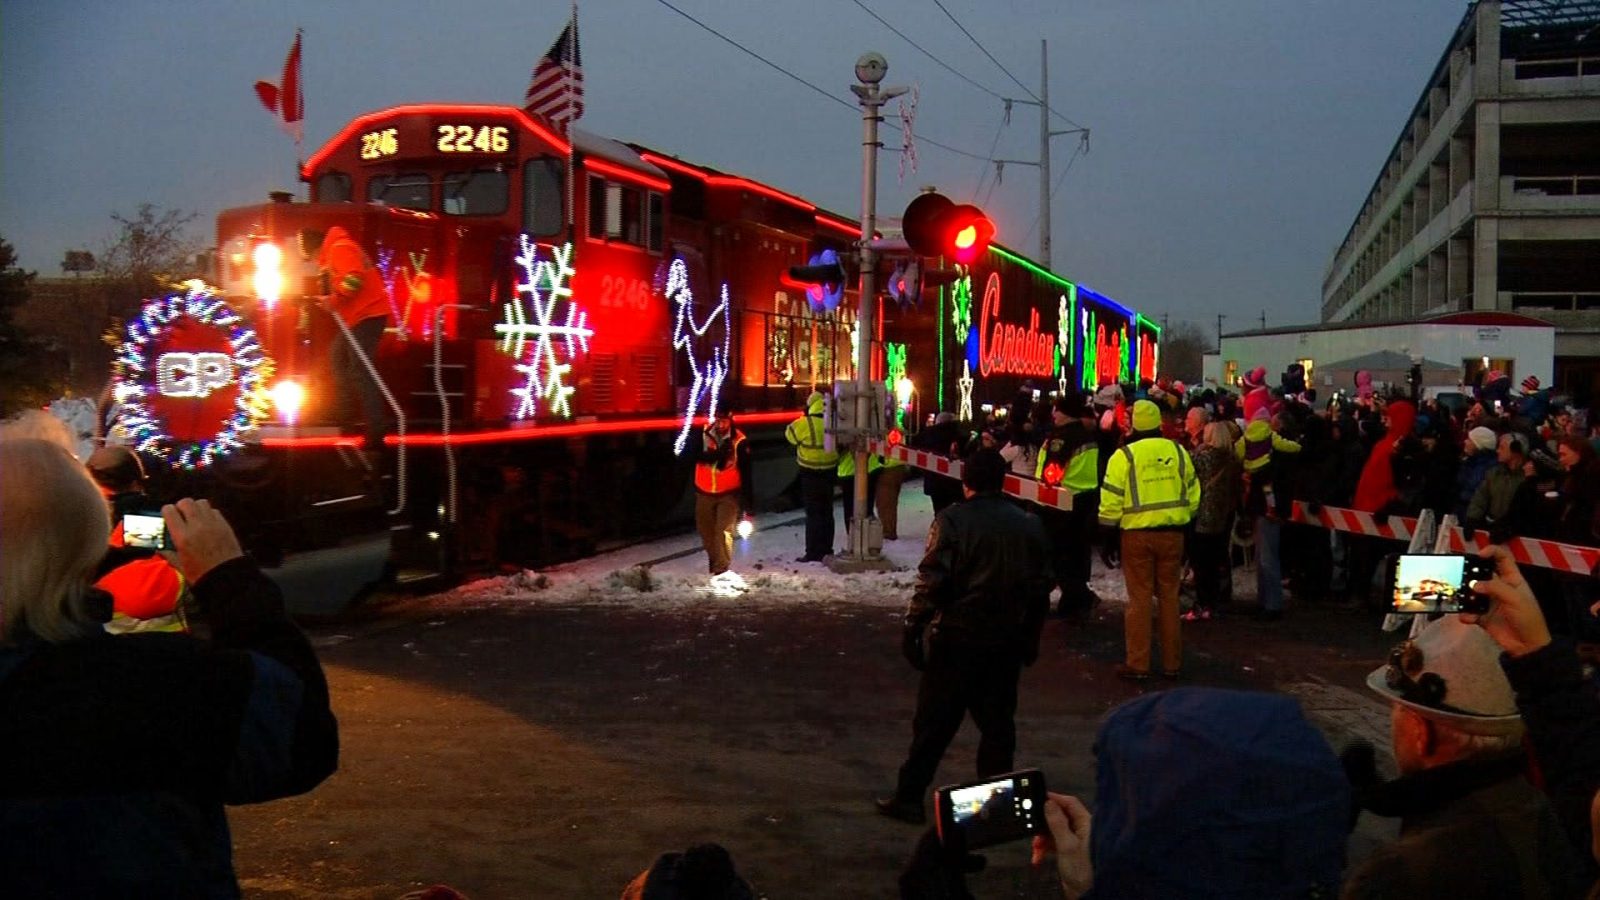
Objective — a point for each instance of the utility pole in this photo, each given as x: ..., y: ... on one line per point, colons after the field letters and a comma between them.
x: 1044, y: 153
x: 1043, y: 162
x: 1263, y: 320
x: 1220, y: 317
x: 870, y: 71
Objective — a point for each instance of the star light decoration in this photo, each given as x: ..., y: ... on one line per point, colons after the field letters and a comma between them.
x: 964, y: 412
x: 531, y: 323
x: 894, y: 364
x: 136, y: 375
x: 686, y: 333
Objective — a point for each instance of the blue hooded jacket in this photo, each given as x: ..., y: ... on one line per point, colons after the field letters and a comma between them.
x: 1207, y: 793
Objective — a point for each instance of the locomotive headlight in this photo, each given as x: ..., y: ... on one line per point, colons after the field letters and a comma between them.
x: 287, y: 397
x: 268, y: 276
x: 903, y: 389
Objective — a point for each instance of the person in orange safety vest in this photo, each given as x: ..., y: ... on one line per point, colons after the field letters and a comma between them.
x: 357, y: 296
x: 721, y: 487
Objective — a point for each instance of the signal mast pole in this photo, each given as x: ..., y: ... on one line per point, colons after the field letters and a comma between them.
x: 870, y: 71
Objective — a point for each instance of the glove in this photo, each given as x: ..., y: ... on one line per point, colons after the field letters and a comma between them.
x: 938, y: 871
x: 1314, y: 509
x: 1500, y: 534
x: 1380, y: 518
x: 1469, y: 532
x: 911, y: 647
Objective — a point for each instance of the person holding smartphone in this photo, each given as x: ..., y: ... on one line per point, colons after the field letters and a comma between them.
x: 120, y: 751
x: 147, y: 591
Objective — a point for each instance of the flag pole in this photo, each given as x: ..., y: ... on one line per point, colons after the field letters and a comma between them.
x: 300, y: 129
x: 571, y: 53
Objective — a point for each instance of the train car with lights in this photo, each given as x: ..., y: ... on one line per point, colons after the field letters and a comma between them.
x: 563, y: 309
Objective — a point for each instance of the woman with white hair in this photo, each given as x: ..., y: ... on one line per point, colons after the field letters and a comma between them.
x: 120, y: 751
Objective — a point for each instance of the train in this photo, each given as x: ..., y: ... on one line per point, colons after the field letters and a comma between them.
x: 564, y: 308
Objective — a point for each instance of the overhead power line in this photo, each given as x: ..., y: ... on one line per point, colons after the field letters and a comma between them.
x: 831, y: 96
x: 979, y: 45
x: 947, y: 67
x: 1060, y: 180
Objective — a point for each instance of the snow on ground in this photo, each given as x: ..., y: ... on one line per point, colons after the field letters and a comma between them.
x: 764, y: 573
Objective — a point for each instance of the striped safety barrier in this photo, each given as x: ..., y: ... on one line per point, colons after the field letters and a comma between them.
x: 1015, y: 486
x: 1527, y: 551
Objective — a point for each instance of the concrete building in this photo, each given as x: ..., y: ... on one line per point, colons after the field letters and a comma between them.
x: 1490, y: 198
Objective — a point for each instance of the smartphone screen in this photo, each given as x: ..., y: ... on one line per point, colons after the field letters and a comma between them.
x: 1427, y: 583
x: 1007, y: 808
x: 143, y: 530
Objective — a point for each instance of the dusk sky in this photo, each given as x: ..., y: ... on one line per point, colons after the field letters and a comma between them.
x: 1233, y: 140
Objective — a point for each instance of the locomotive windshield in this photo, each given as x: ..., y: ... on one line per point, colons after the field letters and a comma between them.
x: 410, y: 190
x: 478, y: 192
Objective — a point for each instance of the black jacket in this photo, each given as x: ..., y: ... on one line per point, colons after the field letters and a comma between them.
x: 985, y: 580
x: 1562, y: 712
x: 120, y: 751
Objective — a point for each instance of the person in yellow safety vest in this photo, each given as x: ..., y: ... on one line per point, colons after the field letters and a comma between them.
x: 847, y: 484
x: 1150, y: 494
x: 1070, y: 458
x: 888, y: 498
x: 356, y: 295
x: 808, y: 436
x: 720, y: 488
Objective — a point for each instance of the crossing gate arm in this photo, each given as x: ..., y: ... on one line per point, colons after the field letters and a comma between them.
x: 1015, y: 485
x: 1544, y: 554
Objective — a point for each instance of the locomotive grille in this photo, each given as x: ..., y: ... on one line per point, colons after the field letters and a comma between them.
x: 602, y: 386
x: 647, y: 373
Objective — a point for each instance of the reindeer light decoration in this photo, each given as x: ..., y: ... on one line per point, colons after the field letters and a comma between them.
x: 688, y: 336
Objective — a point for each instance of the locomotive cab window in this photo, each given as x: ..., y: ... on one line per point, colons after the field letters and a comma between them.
x: 542, y: 197
x: 617, y: 213
x: 411, y: 190
x: 479, y: 192
x: 657, y: 221
x: 333, y: 187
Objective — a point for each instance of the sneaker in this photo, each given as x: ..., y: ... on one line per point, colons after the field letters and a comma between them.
x: 904, y: 810
x: 808, y: 559
x: 1129, y: 673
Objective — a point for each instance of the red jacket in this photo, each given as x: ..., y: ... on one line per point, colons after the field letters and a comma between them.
x: 1376, y: 487
x: 357, y: 284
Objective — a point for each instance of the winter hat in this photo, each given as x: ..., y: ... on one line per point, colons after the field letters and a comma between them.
x: 1363, y: 384
x: 1108, y: 396
x: 946, y: 416
x: 1255, y: 378
x: 1450, y: 672
x: 1208, y: 793
x: 1530, y: 384
x: 1146, y: 416
x: 1482, y: 438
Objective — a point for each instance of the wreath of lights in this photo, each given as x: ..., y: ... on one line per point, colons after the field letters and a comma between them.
x: 137, y: 377
x: 544, y: 283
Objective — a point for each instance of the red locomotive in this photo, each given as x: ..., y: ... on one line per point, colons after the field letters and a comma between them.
x: 561, y: 311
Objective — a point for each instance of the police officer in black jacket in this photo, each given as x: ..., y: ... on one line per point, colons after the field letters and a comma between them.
x: 983, y: 590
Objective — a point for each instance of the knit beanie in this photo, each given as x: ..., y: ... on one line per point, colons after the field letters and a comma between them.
x: 1482, y: 438
x: 1146, y: 416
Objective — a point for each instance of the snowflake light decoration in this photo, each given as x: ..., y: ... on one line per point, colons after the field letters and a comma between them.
x: 531, y: 323
x: 686, y: 334
x: 143, y: 385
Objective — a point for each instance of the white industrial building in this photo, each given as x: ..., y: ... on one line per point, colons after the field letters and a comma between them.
x: 1453, y: 349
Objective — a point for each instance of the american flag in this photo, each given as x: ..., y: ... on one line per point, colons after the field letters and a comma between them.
x: 556, y: 90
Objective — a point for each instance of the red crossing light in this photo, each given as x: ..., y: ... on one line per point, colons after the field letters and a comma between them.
x: 935, y: 226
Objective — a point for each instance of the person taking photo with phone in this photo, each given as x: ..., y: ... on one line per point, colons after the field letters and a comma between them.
x: 120, y: 751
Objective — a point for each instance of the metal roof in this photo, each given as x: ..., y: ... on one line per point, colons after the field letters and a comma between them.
x: 1549, y: 13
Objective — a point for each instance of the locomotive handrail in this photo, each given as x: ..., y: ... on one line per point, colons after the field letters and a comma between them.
x: 394, y: 406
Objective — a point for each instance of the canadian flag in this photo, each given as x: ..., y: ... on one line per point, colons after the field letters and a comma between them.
x: 284, y: 99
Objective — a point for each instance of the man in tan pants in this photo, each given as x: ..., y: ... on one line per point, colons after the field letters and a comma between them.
x: 719, y: 485
x: 1150, y: 492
